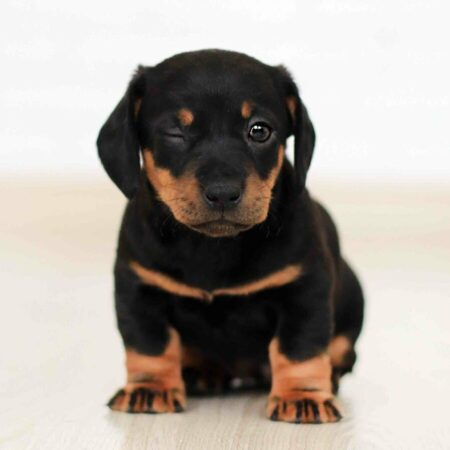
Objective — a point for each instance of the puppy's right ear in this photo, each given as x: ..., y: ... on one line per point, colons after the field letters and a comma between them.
x: 118, y: 143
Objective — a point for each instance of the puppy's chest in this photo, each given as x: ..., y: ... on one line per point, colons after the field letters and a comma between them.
x: 230, y: 327
x: 210, y: 267
x: 236, y: 269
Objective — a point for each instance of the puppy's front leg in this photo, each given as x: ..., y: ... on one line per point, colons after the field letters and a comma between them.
x: 301, y: 369
x: 153, y: 351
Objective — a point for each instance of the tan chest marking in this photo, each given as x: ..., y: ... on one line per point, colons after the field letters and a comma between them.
x: 276, y: 279
x: 168, y: 284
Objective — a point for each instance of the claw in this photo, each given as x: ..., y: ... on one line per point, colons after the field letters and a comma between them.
x: 305, y: 408
x: 146, y: 400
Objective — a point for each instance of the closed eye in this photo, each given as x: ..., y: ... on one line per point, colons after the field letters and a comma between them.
x: 173, y: 134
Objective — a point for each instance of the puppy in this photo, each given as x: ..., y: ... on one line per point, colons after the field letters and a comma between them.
x: 227, y: 272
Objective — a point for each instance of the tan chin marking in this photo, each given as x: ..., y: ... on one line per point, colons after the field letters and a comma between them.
x: 218, y: 233
x: 259, y: 191
x: 182, y: 195
x: 276, y: 279
x: 220, y: 230
x: 178, y: 193
x: 186, y: 117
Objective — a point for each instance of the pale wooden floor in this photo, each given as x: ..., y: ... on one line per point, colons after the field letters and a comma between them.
x: 61, y: 356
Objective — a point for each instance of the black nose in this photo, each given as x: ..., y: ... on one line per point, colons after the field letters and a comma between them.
x: 222, y: 196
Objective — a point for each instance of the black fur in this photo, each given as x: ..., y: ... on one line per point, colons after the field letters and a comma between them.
x: 304, y: 314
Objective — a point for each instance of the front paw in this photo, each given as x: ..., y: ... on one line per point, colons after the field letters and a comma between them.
x: 149, y: 401
x: 303, y: 407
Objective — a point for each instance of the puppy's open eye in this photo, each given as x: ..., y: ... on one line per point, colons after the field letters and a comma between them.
x: 260, y: 132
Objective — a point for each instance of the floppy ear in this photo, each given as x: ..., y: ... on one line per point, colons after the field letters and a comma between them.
x: 117, y: 142
x: 301, y: 127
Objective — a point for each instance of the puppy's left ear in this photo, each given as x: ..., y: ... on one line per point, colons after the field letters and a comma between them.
x: 300, y: 126
x: 117, y: 142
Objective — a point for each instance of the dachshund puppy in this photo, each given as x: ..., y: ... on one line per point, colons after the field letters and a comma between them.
x: 227, y: 272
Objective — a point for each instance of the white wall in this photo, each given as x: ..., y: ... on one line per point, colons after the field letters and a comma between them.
x: 374, y: 75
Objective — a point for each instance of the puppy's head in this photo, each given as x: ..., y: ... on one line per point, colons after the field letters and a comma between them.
x: 211, y: 127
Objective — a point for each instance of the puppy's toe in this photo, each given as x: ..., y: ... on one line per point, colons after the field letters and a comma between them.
x: 149, y: 401
x: 308, y: 407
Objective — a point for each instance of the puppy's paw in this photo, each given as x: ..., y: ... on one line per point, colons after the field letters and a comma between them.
x: 303, y: 407
x: 149, y: 401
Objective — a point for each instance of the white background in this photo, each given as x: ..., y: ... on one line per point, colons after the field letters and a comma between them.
x: 374, y: 75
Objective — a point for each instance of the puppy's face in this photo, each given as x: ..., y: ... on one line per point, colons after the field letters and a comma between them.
x: 212, y: 128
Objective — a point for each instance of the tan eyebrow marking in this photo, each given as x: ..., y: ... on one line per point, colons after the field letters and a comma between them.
x: 276, y: 279
x: 186, y: 116
x: 292, y: 106
x: 246, y: 109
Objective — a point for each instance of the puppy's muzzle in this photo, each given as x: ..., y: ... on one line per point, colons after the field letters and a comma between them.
x: 222, y: 196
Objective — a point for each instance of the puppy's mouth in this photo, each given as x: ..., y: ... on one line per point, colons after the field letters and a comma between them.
x: 220, y: 228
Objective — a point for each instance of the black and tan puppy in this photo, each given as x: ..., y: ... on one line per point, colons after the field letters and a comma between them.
x: 226, y: 268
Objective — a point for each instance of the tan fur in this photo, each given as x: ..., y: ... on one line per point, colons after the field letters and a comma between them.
x: 183, y: 196
x: 186, y: 117
x: 159, y: 376
x: 163, y: 370
x: 296, y: 381
x: 292, y: 106
x: 176, y: 193
x: 289, y: 375
x: 259, y: 191
x: 338, y: 349
x: 246, y: 109
x: 276, y: 279
x: 168, y: 284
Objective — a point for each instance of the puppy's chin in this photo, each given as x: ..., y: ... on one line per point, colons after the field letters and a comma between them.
x: 220, y: 228
x: 219, y: 223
